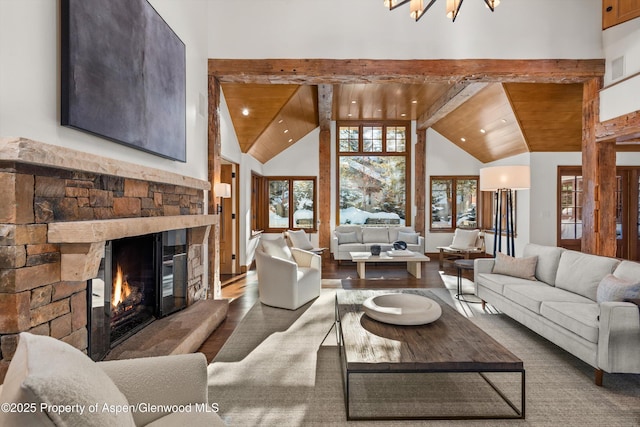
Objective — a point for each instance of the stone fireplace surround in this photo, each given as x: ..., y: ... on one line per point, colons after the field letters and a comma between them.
x: 58, y: 208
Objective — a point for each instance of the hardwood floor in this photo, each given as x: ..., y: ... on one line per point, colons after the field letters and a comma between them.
x: 243, y: 290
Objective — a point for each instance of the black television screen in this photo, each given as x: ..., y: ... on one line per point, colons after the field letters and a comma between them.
x: 123, y: 75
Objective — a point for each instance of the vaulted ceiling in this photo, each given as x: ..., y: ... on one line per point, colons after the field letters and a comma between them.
x: 490, y: 120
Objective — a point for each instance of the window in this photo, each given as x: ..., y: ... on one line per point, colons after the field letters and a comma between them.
x: 454, y: 202
x: 570, y: 182
x: 291, y: 203
x: 373, y: 170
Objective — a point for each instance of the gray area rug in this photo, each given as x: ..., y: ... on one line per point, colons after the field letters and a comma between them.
x: 281, y: 368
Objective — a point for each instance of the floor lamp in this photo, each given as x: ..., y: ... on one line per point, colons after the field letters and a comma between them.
x: 503, y: 181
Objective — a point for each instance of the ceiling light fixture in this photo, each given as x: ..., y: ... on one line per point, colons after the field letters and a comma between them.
x: 417, y: 8
x: 463, y: 139
x: 245, y: 111
x: 483, y: 131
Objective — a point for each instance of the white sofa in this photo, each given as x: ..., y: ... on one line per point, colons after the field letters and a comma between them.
x: 50, y: 383
x: 569, y: 303
x: 356, y: 238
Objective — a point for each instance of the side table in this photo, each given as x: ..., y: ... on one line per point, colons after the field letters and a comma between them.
x: 461, y: 265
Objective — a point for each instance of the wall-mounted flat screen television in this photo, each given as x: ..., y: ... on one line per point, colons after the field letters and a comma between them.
x: 123, y: 75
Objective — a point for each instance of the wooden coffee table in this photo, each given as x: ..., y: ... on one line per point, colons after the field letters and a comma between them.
x: 451, y: 344
x: 414, y: 263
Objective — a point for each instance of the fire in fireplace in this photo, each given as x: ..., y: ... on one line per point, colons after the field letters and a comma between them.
x: 140, y: 279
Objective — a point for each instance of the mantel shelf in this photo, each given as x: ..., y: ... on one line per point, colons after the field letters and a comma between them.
x: 111, y: 229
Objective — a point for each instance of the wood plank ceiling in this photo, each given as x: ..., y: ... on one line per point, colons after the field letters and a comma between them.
x: 498, y: 120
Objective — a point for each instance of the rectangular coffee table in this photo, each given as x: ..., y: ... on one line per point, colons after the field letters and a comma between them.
x: 414, y: 263
x: 452, y: 350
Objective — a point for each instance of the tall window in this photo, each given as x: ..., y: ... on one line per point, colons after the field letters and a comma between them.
x: 454, y: 202
x: 373, y: 173
x: 291, y: 203
x: 570, y: 204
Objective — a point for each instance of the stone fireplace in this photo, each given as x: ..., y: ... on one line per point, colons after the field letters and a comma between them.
x: 61, y: 211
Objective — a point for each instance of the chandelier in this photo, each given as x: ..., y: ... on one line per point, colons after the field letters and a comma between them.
x: 417, y: 8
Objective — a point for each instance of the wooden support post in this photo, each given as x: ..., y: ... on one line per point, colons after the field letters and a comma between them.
x: 599, y: 179
x: 421, y: 177
x: 214, y: 143
x: 325, y: 102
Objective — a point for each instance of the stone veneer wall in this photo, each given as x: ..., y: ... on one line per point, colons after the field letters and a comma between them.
x: 32, y: 296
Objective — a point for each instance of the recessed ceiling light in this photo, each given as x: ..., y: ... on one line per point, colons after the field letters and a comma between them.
x: 403, y: 115
x: 353, y: 102
x: 414, y: 102
x: 483, y: 131
x: 463, y: 139
x: 349, y: 115
x: 286, y: 130
x: 504, y: 120
x: 290, y: 139
x: 245, y: 111
x: 280, y: 121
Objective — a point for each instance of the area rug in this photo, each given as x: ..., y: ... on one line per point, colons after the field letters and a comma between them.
x: 281, y: 368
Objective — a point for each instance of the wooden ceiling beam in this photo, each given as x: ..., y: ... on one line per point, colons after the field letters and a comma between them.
x: 620, y: 129
x: 339, y: 71
x: 325, y: 106
x: 458, y: 94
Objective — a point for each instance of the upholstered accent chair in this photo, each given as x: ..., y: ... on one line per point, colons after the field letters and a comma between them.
x: 465, y: 244
x: 287, y: 277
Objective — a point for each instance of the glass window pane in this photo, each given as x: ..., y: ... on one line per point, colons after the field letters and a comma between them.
x: 372, y: 139
x: 348, y: 137
x: 303, y: 203
x: 466, y: 201
x: 396, y: 139
x: 571, y: 207
x: 372, y: 190
x: 279, y: 204
x: 441, y: 193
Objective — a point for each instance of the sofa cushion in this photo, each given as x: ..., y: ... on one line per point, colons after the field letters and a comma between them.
x: 628, y: 270
x: 579, y: 318
x: 497, y: 282
x: 464, y: 239
x: 276, y: 247
x: 581, y: 273
x: 393, y: 232
x: 408, y: 237
x: 548, y: 259
x: 353, y: 247
x: 532, y: 296
x: 350, y: 228
x: 299, y: 239
x: 49, y: 372
x: 612, y: 288
x: 375, y: 235
x: 524, y: 268
x: 347, y: 237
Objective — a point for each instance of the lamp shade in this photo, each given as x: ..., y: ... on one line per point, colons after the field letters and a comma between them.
x: 222, y: 189
x: 505, y: 177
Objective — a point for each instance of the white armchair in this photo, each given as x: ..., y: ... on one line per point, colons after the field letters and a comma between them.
x: 287, y: 277
x: 58, y: 385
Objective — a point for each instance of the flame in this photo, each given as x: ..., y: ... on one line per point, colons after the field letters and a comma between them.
x: 121, y: 288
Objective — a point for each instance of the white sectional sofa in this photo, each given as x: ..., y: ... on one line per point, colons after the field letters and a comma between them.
x: 575, y: 300
x: 356, y: 238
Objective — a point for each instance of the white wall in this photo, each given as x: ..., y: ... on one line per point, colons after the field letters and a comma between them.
x: 365, y: 29
x: 30, y: 81
x: 444, y: 158
x: 622, y: 40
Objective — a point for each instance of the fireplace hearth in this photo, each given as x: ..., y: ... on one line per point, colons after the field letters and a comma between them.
x: 140, y: 279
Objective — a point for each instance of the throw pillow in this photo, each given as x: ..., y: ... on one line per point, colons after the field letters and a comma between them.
x: 276, y: 247
x: 349, y: 237
x: 612, y: 288
x: 524, y: 268
x: 51, y: 374
x: 299, y: 239
x: 375, y: 235
x: 408, y: 237
x: 464, y: 239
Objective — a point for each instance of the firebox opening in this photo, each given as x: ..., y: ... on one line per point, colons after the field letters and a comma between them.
x: 140, y: 279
